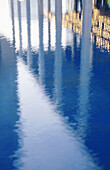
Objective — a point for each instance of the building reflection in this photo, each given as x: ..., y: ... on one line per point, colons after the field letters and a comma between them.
x: 72, y: 20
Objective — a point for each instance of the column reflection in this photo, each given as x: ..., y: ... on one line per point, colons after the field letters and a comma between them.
x: 13, y: 22
x: 41, y: 48
x: 58, y: 53
x: 85, y: 68
x: 28, y: 12
x: 20, y: 28
x: 102, y: 2
x: 49, y: 34
x: 109, y: 4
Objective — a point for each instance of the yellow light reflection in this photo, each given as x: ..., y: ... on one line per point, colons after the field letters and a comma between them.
x: 100, y: 26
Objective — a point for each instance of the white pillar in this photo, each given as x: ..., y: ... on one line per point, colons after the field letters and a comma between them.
x: 20, y: 28
x: 95, y: 2
x: 49, y: 34
x: 109, y: 3
x: 69, y: 5
x: 73, y: 44
x: 41, y: 49
x: 13, y: 23
x: 85, y: 68
x: 102, y: 2
x: 28, y: 12
x: 49, y: 5
x: 58, y: 53
x: 73, y: 5
x: 87, y: 21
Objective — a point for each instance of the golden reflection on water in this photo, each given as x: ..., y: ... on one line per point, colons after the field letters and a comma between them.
x: 100, y: 26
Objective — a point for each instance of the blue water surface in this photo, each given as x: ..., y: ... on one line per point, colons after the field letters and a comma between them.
x: 54, y: 85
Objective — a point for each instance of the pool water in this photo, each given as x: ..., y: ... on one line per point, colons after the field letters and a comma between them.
x: 54, y: 85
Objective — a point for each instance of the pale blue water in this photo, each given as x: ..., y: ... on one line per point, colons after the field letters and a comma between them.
x: 54, y: 86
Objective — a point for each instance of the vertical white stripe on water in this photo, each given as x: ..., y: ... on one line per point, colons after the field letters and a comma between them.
x: 49, y: 32
x: 58, y: 54
x: 102, y: 2
x: 6, y: 26
x: 109, y: 3
x: 85, y: 68
x: 20, y: 28
x: 13, y: 22
x: 95, y: 2
x: 28, y: 12
x: 41, y: 47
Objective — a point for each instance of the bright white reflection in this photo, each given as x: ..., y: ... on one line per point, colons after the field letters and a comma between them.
x: 5, y: 19
x: 20, y: 0
x: 45, y: 141
x: 83, y: 115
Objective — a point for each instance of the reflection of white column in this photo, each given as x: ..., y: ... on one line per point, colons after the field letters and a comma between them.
x: 109, y: 3
x: 85, y: 68
x: 95, y: 2
x: 28, y: 11
x: 20, y: 28
x: 79, y: 6
x: 13, y: 23
x: 69, y: 5
x: 49, y: 36
x: 78, y: 41
x: 58, y: 55
x: 73, y: 44
x: 41, y: 49
x: 86, y: 29
x: 49, y: 5
x: 73, y: 5
x: 102, y: 2
x: 66, y: 5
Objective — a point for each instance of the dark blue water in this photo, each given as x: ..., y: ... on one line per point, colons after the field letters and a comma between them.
x: 54, y: 85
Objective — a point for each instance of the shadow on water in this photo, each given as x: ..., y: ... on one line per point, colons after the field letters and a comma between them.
x: 55, y: 86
